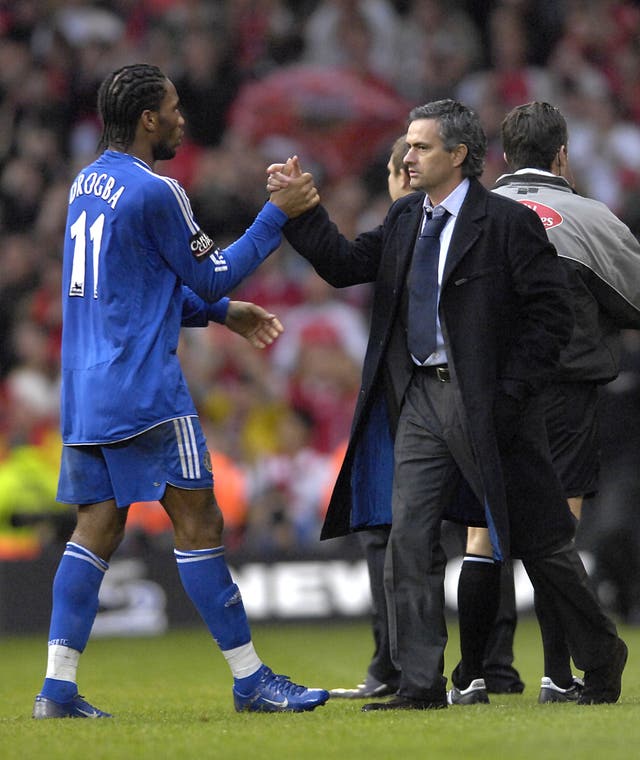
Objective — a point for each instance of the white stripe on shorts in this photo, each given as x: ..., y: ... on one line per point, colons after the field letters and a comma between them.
x: 187, y: 448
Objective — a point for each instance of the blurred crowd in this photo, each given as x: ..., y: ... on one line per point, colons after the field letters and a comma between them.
x: 259, y: 80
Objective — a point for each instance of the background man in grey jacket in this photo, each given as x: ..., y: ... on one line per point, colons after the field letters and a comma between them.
x: 602, y: 258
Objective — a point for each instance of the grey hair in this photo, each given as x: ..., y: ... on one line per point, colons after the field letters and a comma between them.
x: 458, y: 125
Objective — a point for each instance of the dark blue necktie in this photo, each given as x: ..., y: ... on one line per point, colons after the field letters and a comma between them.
x: 423, y: 288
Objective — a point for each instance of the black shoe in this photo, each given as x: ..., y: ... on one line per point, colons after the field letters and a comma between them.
x: 474, y: 694
x: 406, y: 703
x: 604, y: 684
x: 549, y: 692
x: 503, y: 686
x: 503, y: 680
x: 498, y: 679
x: 371, y: 688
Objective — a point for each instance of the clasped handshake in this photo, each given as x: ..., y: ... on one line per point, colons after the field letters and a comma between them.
x: 291, y: 189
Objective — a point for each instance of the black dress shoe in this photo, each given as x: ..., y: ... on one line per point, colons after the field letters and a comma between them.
x: 367, y: 690
x: 503, y: 681
x: 603, y: 685
x: 499, y: 679
x: 406, y: 703
x: 496, y: 686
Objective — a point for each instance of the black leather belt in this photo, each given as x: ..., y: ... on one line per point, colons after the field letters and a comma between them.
x: 440, y: 371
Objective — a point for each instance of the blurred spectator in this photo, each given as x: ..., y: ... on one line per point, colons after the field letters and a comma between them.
x: 321, y: 318
x: 263, y: 33
x: 607, y: 151
x: 333, y: 117
x: 510, y: 78
x: 32, y: 387
x: 29, y: 515
x: 276, y: 284
x: 18, y: 279
x: 440, y: 46
x: 543, y: 22
x: 324, y: 383
x: 207, y: 83
x: 226, y: 186
x: 21, y: 190
x: 236, y: 391
x: 286, y: 488
x: 595, y: 67
x: 343, y: 33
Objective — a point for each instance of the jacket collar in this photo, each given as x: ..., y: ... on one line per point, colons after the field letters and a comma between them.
x: 533, y: 176
x: 468, y: 227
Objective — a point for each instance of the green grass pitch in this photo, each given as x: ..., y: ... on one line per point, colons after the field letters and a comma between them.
x: 171, y: 696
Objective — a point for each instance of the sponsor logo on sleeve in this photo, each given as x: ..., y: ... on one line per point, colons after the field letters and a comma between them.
x: 201, y: 245
x: 549, y: 216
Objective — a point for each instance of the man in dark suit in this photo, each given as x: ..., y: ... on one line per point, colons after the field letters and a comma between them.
x: 467, y: 411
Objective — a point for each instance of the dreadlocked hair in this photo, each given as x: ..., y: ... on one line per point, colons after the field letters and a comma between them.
x: 122, y: 98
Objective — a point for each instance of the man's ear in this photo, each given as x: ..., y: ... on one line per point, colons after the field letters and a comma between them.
x: 459, y: 154
x: 149, y: 120
x: 562, y: 160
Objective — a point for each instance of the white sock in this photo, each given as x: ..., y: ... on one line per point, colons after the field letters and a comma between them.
x: 62, y: 662
x: 242, y: 660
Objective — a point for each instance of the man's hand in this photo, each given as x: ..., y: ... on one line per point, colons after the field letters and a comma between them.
x: 291, y: 190
x: 255, y: 324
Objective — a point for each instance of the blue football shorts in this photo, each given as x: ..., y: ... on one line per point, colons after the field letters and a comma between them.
x: 139, y: 468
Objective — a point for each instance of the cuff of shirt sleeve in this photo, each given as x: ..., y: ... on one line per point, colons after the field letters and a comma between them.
x: 217, y: 312
x: 273, y: 213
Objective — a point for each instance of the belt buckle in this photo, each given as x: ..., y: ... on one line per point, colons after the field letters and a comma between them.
x: 442, y: 373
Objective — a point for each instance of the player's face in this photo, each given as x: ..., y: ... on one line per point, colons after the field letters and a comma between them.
x: 394, y: 182
x: 431, y: 167
x: 170, y: 125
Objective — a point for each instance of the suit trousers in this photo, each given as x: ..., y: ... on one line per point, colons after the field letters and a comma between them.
x: 562, y: 582
x: 374, y: 545
x: 432, y: 453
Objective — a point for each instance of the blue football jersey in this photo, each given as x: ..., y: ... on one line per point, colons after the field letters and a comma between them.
x: 131, y: 246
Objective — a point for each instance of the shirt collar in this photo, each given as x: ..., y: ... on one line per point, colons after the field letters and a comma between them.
x: 452, y: 203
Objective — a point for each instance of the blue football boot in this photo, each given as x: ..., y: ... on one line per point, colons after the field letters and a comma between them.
x: 276, y: 693
x: 77, y: 707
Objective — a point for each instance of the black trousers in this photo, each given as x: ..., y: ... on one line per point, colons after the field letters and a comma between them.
x: 563, y: 582
x: 432, y: 452
x: 374, y: 546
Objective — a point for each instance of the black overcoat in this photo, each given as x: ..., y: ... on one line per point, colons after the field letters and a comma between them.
x: 505, y: 314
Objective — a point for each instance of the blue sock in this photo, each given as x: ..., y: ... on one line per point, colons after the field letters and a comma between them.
x: 206, y: 579
x: 58, y: 691
x: 75, y: 604
x: 75, y: 596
